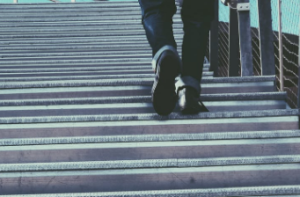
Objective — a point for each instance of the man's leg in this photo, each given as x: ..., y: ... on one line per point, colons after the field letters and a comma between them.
x: 196, y: 16
x: 157, y: 21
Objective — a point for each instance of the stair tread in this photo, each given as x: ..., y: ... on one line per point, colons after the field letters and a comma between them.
x: 126, y: 82
x: 172, y: 116
x: 82, y: 77
x: 76, y: 114
x: 137, y: 99
x: 273, y: 134
x: 211, y: 192
x: 150, y: 163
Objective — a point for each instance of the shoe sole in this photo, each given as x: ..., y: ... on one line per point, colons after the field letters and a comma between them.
x: 164, y: 97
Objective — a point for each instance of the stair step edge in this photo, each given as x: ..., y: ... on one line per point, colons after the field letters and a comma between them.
x: 152, y: 137
x: 150, y: 163
x: 211, y: 192
x: 147, y: 99
x: 127, y: 82
x: 135, y: 117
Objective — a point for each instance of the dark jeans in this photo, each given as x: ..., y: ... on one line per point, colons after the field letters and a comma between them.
x: 196, y: 16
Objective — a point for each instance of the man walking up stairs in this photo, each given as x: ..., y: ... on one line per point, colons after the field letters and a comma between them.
x: 76, y: 114
x: 157, y: 21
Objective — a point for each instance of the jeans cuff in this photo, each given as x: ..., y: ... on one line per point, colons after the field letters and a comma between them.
x: 188, y: 81
x: 160, y: 51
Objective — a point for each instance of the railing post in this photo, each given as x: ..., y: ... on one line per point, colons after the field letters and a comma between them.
x: 267, y: 59
x: 298, y: 99
x: 243, y: 9
x: 73, y: 1
x: 234, y: 49
x: 214, y: 44
x: 280, y: 47
x: 15, y: 1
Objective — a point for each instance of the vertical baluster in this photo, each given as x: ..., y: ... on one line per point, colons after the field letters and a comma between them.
x: 267, y: 59
x: 299, y: 70
x: 280, y: 47
x: 73, y: 1
x: 214, y: 41
x: 233, y: 44
x: 15, y: 1
x: 243, y: 8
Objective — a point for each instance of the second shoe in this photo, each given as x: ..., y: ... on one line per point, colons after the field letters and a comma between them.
x: 189, y: 101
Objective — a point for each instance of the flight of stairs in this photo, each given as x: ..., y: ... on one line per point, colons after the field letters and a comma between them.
x: 76, y: 117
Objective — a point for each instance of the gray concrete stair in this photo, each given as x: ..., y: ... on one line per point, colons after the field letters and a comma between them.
x: 238, y: 191
x: 76, y: 117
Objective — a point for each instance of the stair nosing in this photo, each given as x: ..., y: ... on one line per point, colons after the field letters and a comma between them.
x: 208, y: 192
x: 152, y: 137
x: 133, y: 99
x: 150, y: 163
x: 130, y: 117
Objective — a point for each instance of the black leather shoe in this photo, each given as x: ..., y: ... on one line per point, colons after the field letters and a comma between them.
x: 189, y: 102
x: 164, y: 97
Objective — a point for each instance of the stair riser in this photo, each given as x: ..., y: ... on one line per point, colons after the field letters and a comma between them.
x: 133, y: 109
x: 21, y: 11
x: 17, y: 56
x: 68, y: 6
x: 70, y: 14
x: 91, y: 182
x: 137, y: 151
x: 83, y: 48
x: 273, y: 134
x: 90, y: 40
x: 141, y: 83
x: 79, y: 32
x: 124, y: 47
x: 118, y: 52
x: 20, y: 58
x: 30, y: 53
x: 71, y: 74
x: 95, y: 28
x: 74, y: 24
x: 149, y: 163
x: 223, y: 90
x: 97, y: 93
x: 107, y: 64
x: 42, y: 6
x: 217, y: 192
x: 44, y: 60
x: 121, y: 71
x: 37, y: 77
x: 103, y: 54
x: 214, y: 98
x: 119, y: 20
x: 97, y: 17
x: 102, y: 66
x: 48, y: 13
x: 147, y: 127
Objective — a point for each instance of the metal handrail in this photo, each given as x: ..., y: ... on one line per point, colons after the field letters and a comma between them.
x: 270, y: 47
x: 240, y: 27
